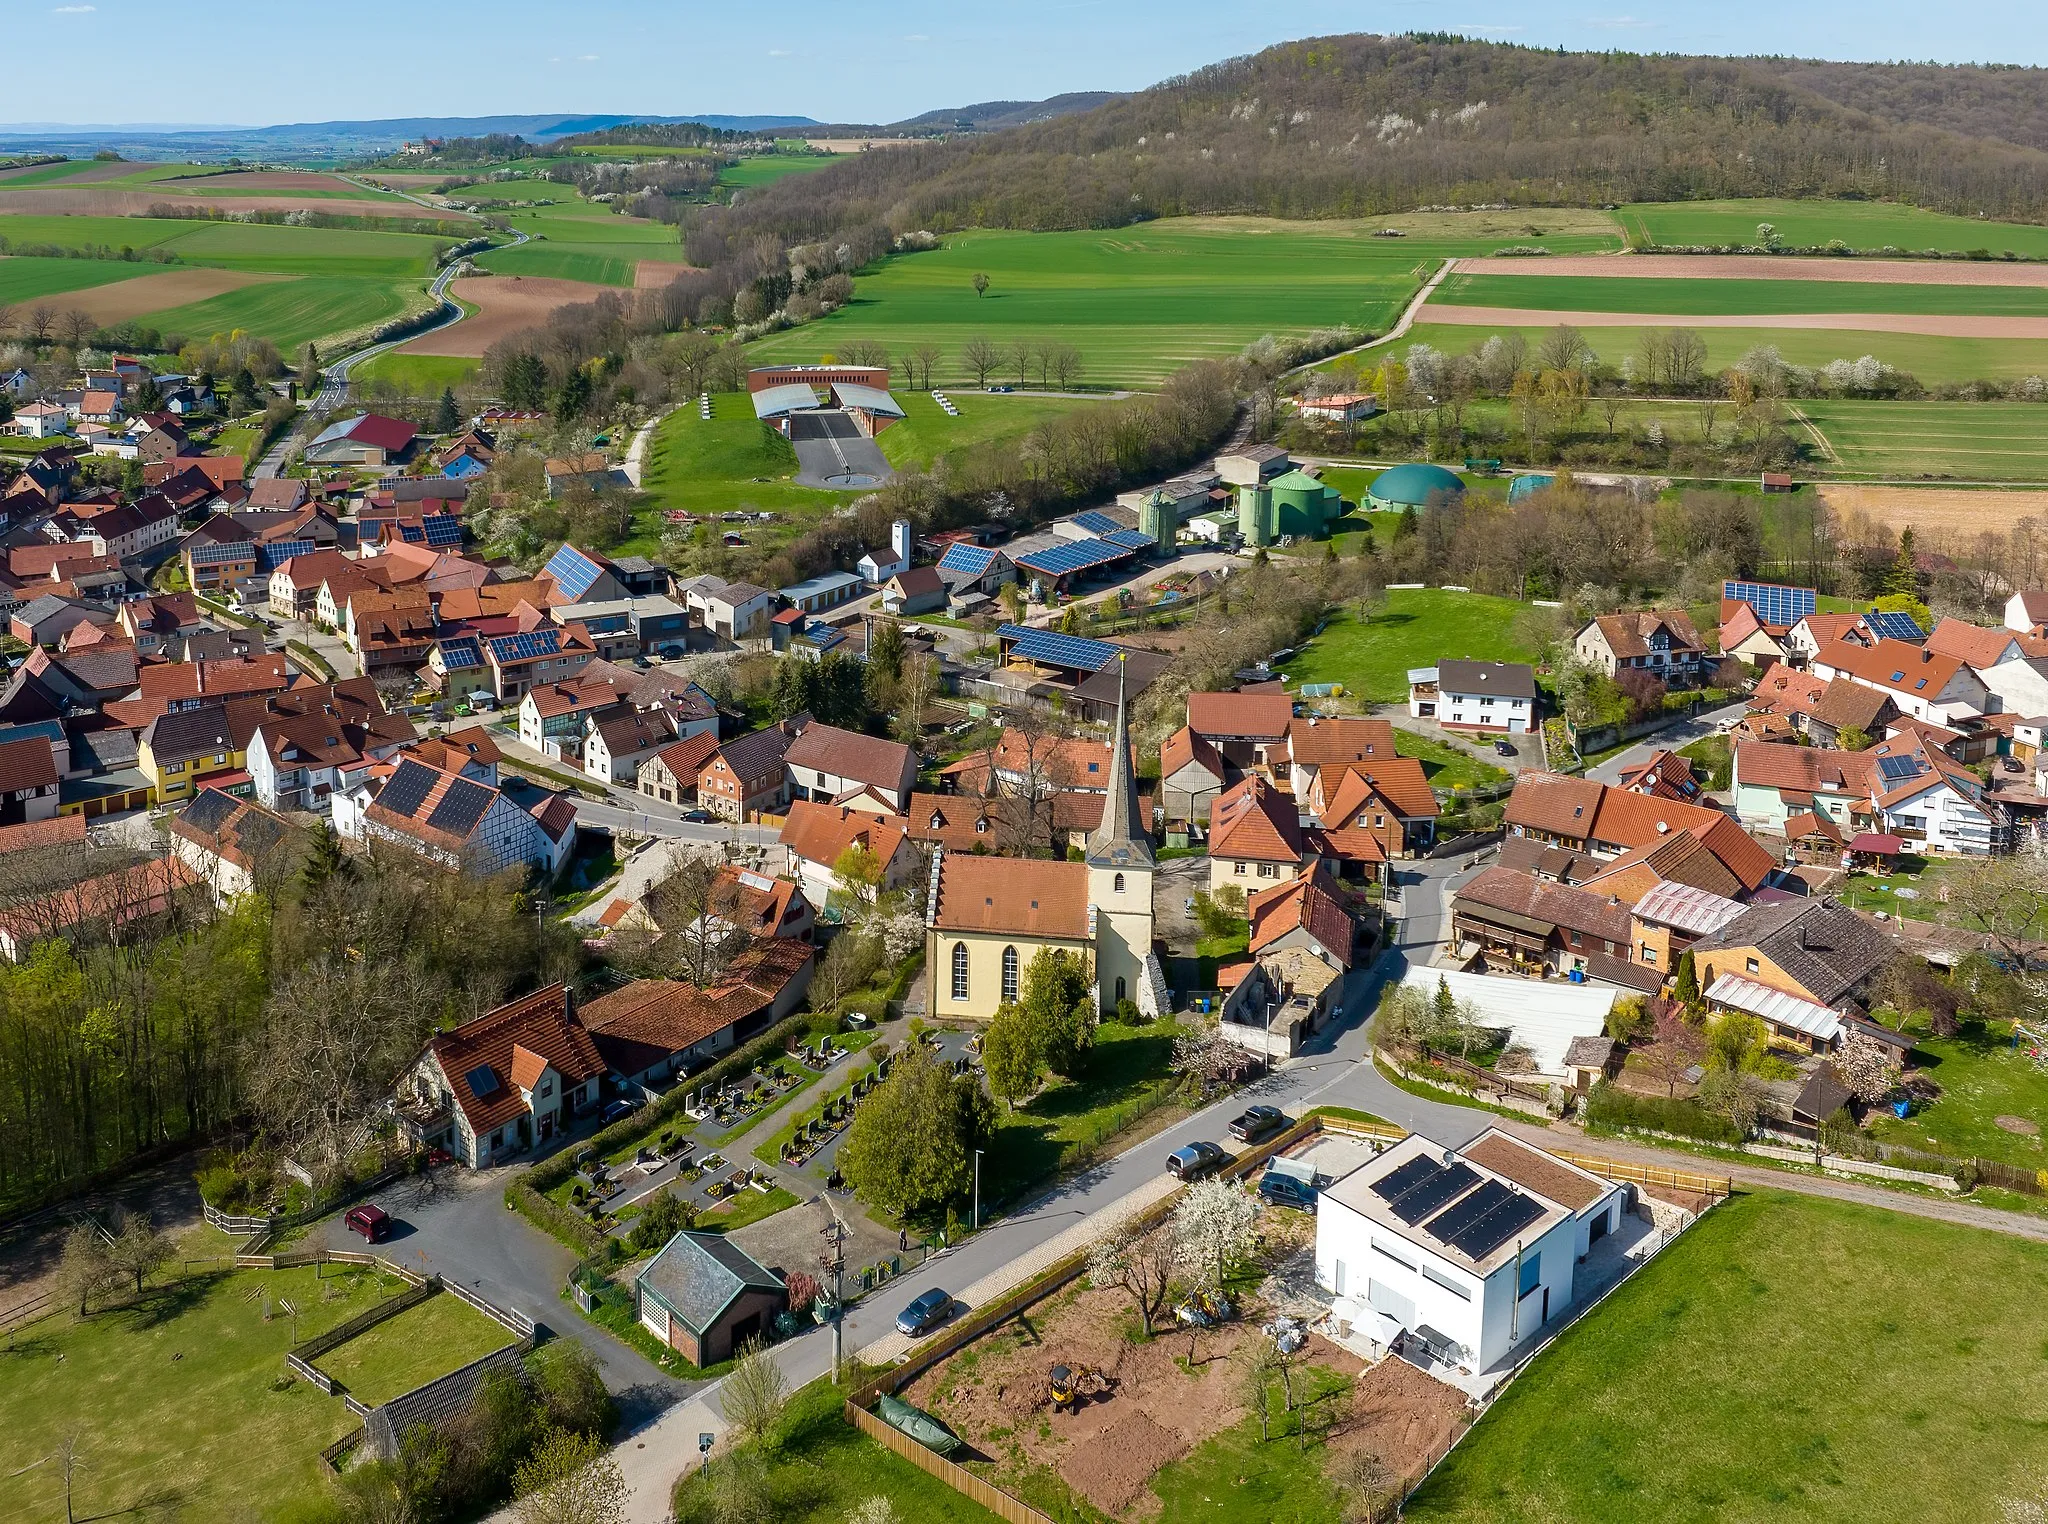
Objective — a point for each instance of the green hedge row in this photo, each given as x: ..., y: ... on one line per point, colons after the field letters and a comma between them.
x: 1615, y: 1110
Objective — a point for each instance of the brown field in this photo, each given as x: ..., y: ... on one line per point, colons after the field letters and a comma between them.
x: 653, y: 274
x: 409, y: 182
x: 505, y: 304
x: 1897, y: 272
x: 246, y: 182
x: 61, y: 201
x: 1930, y: 510
x: 125, y: 299
x: 84, y: 174
x: 1954, y: 325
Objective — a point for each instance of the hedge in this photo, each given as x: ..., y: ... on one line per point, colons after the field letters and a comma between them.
x: 1612, y: 1109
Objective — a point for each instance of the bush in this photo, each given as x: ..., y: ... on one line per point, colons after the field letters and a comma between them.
x: 1612, y: 1109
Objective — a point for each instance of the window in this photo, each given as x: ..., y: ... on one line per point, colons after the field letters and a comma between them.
x: 1009, y: 973
x: 547, y: 1088
x: 1649, y: 955
x: 1385, y: 1253
x: 959, y: 970
x: 1119, y: 883
x: 1268, y: 870
x: 1440, y: 1279
x: 1378, y: 821
x: 1751, y: 964
x: 1120, y: 989
x: 1532, y: 1274
x: 1238, y: 869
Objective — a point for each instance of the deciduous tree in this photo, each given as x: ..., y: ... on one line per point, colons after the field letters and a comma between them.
x: 1139, y: 1264
x: 910, y: 1150
x: 570, y: 1479
x: 1212, y: 1226
x: 756, y: 1393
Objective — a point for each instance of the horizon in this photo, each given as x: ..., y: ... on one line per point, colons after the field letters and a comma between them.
x: 825, y: 64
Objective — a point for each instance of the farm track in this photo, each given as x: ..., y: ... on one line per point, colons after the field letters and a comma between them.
x: 1945, y: 326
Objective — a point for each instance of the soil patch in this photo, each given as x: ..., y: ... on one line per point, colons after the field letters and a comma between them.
x: 1404, y: 1416
x: 2020, y: 1125
x: 125, y: 299
x: 1955, y: 325
x: 244, y: 182
x: 63, y: 201
x: 83, y: 174
x: 1891, y: 272
x: 653, y: 274
x: 1111, y: 1469
x: 505, y: 304
x: 1928, y: 509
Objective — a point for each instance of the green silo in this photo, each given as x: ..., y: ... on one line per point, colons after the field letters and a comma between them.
x: 1255, y: 515
x: 1158, y: 518
x: 1303, y: 506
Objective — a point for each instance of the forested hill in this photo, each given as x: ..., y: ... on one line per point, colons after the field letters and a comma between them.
x: 1361, y: 125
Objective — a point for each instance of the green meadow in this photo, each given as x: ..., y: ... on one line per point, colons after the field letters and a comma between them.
x: 24, y: 280
x: 1140, y: 302
x: 762, y: 169
x: 579, y: 240
x: 1968, y: 441
x: 418, y: 375
x: 1413, y: 628
x: 1860, y: 224
x: 1716, y: 298
x: 294, y: 312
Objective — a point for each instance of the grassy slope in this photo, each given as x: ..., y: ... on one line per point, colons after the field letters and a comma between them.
x: 764, y: 168
x: 441, y: 1334
x: 1032, y: 1142
x: 25, y: 280
x: 177, y: 1398
x: 580, y: 241
x: 927, y: 432
x: 1589, y: 293
x: 1790, y: 1358
x: 1413, y: 629
x: 1982, y: 1077
x: 290, y: 313
x: 419, y: 375
x: 1860, y: 224
x: 1139, y: 302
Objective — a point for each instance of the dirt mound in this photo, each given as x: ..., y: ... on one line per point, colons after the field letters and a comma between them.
x: 1928, y: 509
x: 2020, y: 1125
x: 505, y: 304
x: 1111, y: 1470
x: 1954, y: 325
x: 125, y: 299
x: 1404, y: 1416
x: 1893, y: 272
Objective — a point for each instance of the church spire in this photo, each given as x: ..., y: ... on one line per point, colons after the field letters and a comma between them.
x: 1122, y: 840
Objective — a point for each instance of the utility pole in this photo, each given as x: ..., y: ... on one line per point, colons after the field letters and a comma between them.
x: 977, y: 1190
x: 835, y: 1261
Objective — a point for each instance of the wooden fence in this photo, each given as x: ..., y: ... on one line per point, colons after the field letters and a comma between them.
x: 1714, y: 1187
x: 961, y: 1480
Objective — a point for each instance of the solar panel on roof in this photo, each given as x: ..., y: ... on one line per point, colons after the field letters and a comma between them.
x: 460, y: 808
x: 527, y: 646
x: 482, y: 1081
x: 972, y: 560
x: 1408, y: 1176
x: 1898, y: 769
x: 1428, y: 1198
x: 1890, y: 626
x: 213, y: 555
x: 442, y: 529
x: 1096, y: 522
x: 1070, y: 556
x: 408, y: 788
x: 573, y: 571
x: 274, y: 556
x: 1129, y: 539
x: 1460, y: 1215
x: 1056, y: 650
x: 1774, y: 602
x: 459, y: 654
x: 1507, y: 1219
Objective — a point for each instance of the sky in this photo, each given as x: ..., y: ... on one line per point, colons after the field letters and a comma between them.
x: 237, y: 61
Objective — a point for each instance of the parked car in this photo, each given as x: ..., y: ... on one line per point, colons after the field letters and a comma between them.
x: 1256, y: 1122
x: 926, y: 1313
x: 616, y: 1110
x: 1194, y: 1161
x: 1002, y: 388
x: 1287, y: 1191
x: 699, y: 817
x: 1504, y: 748
x: 2012, y: 764
x: 373, y: 1222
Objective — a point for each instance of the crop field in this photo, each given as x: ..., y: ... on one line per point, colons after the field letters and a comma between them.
x: 764, y: 168
x: 1140, y: 302
x: 1932, y: 358
x: 291, y: 312
x: 583, y: 242
x: 1636, y: 293
x: 1714, y: 1385
x: 418, y: 375
x: 1860, y: 224
x: 1958, y: 510
x: 23, y: 280
x: 1965, y: 441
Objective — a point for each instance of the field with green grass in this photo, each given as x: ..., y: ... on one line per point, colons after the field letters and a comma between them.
x: 25, y: 280
x: 182, y: 1404
x: 1983, y: 1076
x: 80, y: 232
x: 927, y: 432
x: 418, y: 375
x: 291, y: 313
x: 1789, y: 1358
x: 426, y: 1341
x: 1933, y: 358
x: 1860, y: 224
x: 579, y: 240
x: 1721, y: 298
x: 1968, y: 441
x: 1413, y: 628
x: 1140, y: 302
x: 763, y: 169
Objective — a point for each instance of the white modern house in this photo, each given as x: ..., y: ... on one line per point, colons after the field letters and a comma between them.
x: 1497, y: 696
x: 1472, y: 1251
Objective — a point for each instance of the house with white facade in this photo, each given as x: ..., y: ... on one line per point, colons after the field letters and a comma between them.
x: 1496, y: 696
x: 1903, y: 787
x: 1661, y: 642
x: 2012, y: 667
x: 825, y: 762
x: 1922, y: 682
x: 1470, y: 1253
x: 497, y: 1086
x: 450, y: 821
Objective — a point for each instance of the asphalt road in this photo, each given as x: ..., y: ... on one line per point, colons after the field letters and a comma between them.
x: 1683, y: 734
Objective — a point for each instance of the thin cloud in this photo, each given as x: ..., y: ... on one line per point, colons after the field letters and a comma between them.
x: 778, y: 52
x: 917, y: 37
x: 72, y: 10
x: 588, y: 58
x: 1621, y: 23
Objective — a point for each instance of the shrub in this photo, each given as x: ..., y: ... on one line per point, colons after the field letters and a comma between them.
x: 1612, y: 1109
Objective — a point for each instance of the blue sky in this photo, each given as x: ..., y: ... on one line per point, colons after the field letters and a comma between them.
x: 286, y: 60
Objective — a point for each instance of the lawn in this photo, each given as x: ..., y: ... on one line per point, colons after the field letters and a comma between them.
x: 1970, y: 441
x: 184, y: 1399
x: 1141, y: 302
x: 1448, y: 766
x: 26, y: 279
x: 1716, y: 298
x: 441, y: 1334
x: 1237, y: 1475
x: 1865, y: 225
x: 745, y: 1209
x: 1789, y: 1358
x: 1125, y: 1068
x: 927, y: 432
x: 418, y: 375
x: 1930, y: 357
x: 1415, y: 627
x: 1982, y: 1077
x: 823, y: 1468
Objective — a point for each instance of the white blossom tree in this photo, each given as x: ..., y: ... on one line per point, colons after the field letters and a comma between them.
x: 1866, y: 1067
x: 1211, y: 1227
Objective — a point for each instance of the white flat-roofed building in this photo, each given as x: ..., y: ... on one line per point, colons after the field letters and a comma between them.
x: 1471, y: 1251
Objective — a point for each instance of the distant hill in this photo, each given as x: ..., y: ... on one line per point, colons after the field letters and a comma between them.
x: 1363, y: 125
x: 993, y: 116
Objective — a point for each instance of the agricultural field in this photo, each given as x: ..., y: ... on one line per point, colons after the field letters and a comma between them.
x: 578, y: 240
x: 29, y: 279
x: 1140, y: 302
x: 417, y: 375
x: 1963, y: 510
x: 1860, y: 224
x: 762, y: 169
x: 181, y: 1404
x: 1735, y: 297
x: 1966, y: 441
x: 1413, y: 628
x: 1715, y: 1384
x: 927, y: 432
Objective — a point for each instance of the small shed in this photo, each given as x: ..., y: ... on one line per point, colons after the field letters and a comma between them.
x: 1820, y: 1097
x: 704, y: 1297
x: 1589, y: 1060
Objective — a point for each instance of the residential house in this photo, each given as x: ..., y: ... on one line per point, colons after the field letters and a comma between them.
x: 1662, y: 775
x: 561, y: 711
x: 365, y: 440
x: 706, y: 1297
x: 1023, y: 763
x: 541, y: 654
x: 41, y: 420
x: 632, y: 625
x: 455, y: 667
x: 825, y: 591
x: 131, y: 530
x: 587, y: 469
x: 2012, y: 667
x: 747, y: 775
x: 670, y: 774
x: 494, y: 1087
x: 230, y: 842
x: 1793, y: 965
x: 46, y: 619
x: 302, y: 754
x: 468, y: 753
x: 220, y: 567
x: 1850, y: 712
x: 617, y: 740
x: 582, y: 576
x: 1304, y: 915
x: 1671, y: 918
x: 2026, y: 612
x: 1323, y: 746
x: 158, y: 623
x: 652, y: 1030
x: 28, y: 780
x: 1246, y: 729
x: 1191, y: 773
x: 115, y: 902
x: 1609, y: 823
x: 1661, y: 642
x: 448, y: 820
x: 1389, y: 802
x: 295, y: 584
x: 815, y: 836
x: 1464, y: 1256
x: 1921, y: 682
x: 1255, y: 837
x: 1519, y: 924
x: 1490, y: 696
x: 915, y: 590
x: 826, y: 762
x: 1902, y: 786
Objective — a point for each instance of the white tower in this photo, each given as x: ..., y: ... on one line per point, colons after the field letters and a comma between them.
x: 1120, y: 869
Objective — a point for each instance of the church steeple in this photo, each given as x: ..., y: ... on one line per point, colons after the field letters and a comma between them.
x: 1122, y: 840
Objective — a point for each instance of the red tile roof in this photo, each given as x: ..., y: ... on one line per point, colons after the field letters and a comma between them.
x: 541, y: 1024
x: 819, y: 833
x: 1313, y: 741
x: 1306, y: 904
x: 1893, y: 665
x: 1024, y: 896
x: 1254, y: 821
x: 1253, y: 716
x: 1184, y: 746
x: 1629, y: 634
x: 1400, y: 781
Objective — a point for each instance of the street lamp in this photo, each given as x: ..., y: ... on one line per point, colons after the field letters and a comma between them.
x: 977, y: 1190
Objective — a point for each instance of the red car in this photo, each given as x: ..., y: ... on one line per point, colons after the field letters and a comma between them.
x: 373, y: 1222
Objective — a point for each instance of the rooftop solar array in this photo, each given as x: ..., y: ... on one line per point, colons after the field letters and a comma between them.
x: 440, y: 530
x: 1096, y: 522
x: 1898, y: 769
x: 1052, y: 649
x: 1774, y: 602
x: 527, y: 646
x: 968, y: 560
x: 1488, y: 1218
x: 271, y: 557
x: 214, y: 555
x: 482, y: 1082
x: 408, y: 788
x: 1130, y: 539
x: 1070, y: 556
x: 1429, y: 1195
x: 574, y: 572
x: 1395, y: 1181
x: 460, y: 655
x: 1894, y: 627
x: 461, y: 807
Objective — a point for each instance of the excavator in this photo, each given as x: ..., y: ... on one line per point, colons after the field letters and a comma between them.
x: 1073, y: 1385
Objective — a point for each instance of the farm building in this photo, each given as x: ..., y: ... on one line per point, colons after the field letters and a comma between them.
x: 369, y: 439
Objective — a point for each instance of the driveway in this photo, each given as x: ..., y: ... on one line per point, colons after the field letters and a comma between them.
x: 832, y: 453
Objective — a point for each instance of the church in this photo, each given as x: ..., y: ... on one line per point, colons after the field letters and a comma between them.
x: 987, y: 917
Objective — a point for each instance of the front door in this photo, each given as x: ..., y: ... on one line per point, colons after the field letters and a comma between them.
x: 547, y: 1126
